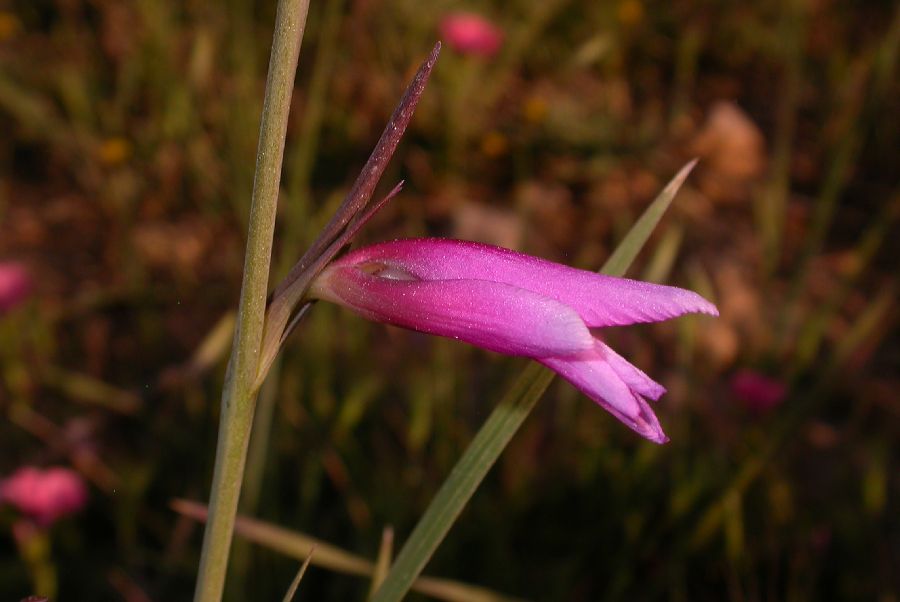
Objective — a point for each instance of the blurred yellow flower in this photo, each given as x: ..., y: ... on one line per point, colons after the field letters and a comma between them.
x: 10, y: 26
x: 535, y: 109
x: 114, y: 151
x: 631, y: 12
x: 494, y: 144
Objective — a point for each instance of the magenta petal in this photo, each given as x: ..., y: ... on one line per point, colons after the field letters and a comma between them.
x: 599, y: 300
x: 15, y: 285
x: 44, y: 495
x: 593, y: 374
x: 470, y: 33
x: 493, y: 315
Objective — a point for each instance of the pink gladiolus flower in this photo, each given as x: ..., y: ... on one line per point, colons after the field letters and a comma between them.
x: 758, y: 392
x: 514, y: 304
x: 15, y: 284
x: 469, y: 33
x: 44, y: 495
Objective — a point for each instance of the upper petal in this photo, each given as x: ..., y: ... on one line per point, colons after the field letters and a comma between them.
x: 600, y: 300
x: 493, y: 315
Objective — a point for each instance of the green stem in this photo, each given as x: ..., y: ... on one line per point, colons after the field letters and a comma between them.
x: 775, y: 196
x: 239, y: 396
x: 254, y: 472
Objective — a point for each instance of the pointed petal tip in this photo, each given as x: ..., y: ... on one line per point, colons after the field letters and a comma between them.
x: 695, y: 303
x: 708, y: 308
x: 655, y: 435
x: 649, y: 428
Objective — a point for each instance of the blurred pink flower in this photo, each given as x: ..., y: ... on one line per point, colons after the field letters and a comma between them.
x: 758, y: 392
x: 44, y: 495
x: 515, y: 304
x: 469, y: 33
x: 15, y: 284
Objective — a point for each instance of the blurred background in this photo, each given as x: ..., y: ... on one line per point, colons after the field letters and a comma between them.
x: 126, y: 161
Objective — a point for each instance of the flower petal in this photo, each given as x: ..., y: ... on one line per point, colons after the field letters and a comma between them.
x: 600, y: 300
x: 44, y: 495
x: 593, y: 374
x: 635, y: 378
x: 493, y: 315
x: 15, y: 285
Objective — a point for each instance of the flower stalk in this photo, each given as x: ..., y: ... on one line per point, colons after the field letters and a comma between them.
x: 239, y: 392
x: 262, y: 328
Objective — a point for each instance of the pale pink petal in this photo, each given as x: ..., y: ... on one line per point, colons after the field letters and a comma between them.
x: 493, y: 315
x: 599, y: 300
x: 635, y: 378
x: 592, y: 374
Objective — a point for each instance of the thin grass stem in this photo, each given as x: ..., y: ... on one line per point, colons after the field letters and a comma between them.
x: 238, y: 395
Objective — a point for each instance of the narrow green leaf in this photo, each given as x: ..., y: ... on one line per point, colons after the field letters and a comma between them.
x: 383, y: 560
x: 660, y: 264
x: 292, y: 590
x: 640, y: 232
x: 501, y: 425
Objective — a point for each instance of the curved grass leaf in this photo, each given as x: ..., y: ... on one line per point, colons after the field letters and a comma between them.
x: 501, y: 425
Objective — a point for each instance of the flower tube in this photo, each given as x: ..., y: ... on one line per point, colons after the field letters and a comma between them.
x: 514, y: 304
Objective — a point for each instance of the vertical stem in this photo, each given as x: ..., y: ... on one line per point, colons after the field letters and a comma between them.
x: 774, y: 202
x: 254, y: 471
x: 239, y: 396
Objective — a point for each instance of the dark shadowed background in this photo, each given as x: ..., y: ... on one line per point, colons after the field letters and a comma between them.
x: 126, y: 159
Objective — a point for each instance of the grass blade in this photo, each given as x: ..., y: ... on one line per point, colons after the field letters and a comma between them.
x: 501, y: 425
x: 637, y: 237
x: 383, y: 561
x: 292, y: 590
x: 300, y: 546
